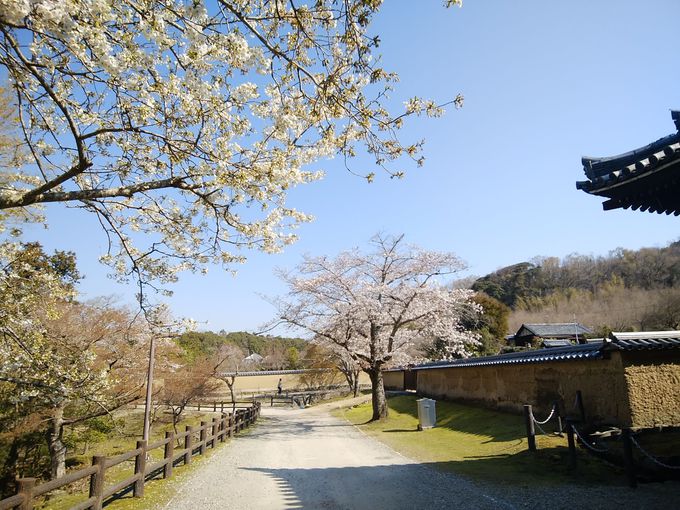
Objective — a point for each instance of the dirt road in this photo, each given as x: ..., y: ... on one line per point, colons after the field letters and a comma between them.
x: 308, y: 459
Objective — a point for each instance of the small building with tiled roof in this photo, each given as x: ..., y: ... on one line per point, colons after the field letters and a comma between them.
x: 647, y: 178
x: 533, y: 334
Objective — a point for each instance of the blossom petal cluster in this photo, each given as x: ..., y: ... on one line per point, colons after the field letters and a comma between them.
x: 183, y: 124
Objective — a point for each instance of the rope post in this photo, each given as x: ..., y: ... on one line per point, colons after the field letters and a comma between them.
x: 168, y: 454
x: 140, y: 470
x: 628, y: 458
x: 188, y: 444
x: 559, y: 417
x: 531, y: 431
x: 97, y: 481
x: 572, y: 445
x: 25, y: 488
x: 579, y: 404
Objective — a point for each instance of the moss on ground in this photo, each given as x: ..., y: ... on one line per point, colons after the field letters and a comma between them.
x: 479, y: 443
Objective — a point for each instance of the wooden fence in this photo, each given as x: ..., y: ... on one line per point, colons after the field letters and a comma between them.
x: 195, y: 441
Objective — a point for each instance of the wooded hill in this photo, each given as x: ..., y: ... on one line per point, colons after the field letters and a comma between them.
x: 624, y: 290
x: 281, y: 351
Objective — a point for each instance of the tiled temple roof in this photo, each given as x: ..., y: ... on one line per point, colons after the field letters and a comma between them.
x: 555, y: 330
x: 647, y: 178
x: 650, y: 340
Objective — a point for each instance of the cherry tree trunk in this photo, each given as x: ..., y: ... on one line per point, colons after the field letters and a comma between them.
x: 378, y: 394
x: 55, y: 443
x: 230, y: 385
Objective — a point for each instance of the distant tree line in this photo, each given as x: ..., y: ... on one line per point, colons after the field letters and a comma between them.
x: 624, y: 290
x: 647, y: 268
x: 279, y: 353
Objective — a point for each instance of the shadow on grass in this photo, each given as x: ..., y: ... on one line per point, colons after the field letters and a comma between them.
x: 484, y: 444
x: 496, y: 426
x: 547, y: 466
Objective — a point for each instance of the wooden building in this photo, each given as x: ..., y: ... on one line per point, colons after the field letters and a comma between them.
x: 647, y: 178
x: 539, y: 334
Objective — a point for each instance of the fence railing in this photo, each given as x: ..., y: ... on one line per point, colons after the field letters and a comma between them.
x: 195, y: 441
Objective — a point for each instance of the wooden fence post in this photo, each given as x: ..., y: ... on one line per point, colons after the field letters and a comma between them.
x: 572, y: 445
x: 214, y: 407
x: 231, y: 425
x: 168, y: 453
x: 188, y: 444
x: 97, y: 481
x: 222, y: 406
x: 201, y: 437
x: 199, y: 406
x: 628, y: 458
x: 25, y: 488
x: 213, y: 430
x: 531, y: 431
x: 140, y: 470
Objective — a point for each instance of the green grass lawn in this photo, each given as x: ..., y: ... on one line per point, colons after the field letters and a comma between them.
x: 479, y: 443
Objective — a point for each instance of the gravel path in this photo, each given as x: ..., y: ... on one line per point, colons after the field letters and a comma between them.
x: 308, y: 459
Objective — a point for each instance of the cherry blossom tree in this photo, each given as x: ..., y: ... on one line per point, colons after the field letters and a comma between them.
x: 188, y: 121
x: 230, y: 359
x: 64, y: 361
x: 379, y: 307
x: 92, y: 358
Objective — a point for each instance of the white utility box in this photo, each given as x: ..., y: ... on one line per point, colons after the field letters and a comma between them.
x: 427, y: 413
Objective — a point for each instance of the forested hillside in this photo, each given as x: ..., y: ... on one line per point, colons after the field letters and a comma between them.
x: 625, y: 290
x: 279, y: 352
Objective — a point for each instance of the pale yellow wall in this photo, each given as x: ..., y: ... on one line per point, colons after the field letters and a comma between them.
x: 508, y: 387
x: 290, y: 382
x: 393, y: 380
x: 653, y: 380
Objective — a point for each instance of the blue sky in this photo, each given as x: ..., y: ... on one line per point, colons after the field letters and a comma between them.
x: 544, y: 84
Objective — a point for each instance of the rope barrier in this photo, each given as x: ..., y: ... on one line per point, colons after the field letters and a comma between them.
x: 650, y: 457
x: 552, y: 413
x: 540, y: 428
x: 588, y: 445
